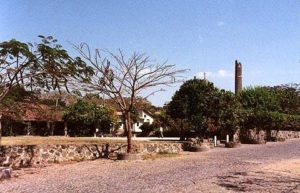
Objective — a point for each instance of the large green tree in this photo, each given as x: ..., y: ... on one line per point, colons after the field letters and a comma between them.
x: 55, y: 69
x: 38, y: 67
x: 16, y: 61
x: 288, y: 97
x: 270, y: 108
x: 41, y: 66
x: 84, y: 117
x: 259, y: 99
x: 203, y: 108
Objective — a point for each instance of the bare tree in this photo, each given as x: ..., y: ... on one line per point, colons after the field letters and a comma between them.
x: 121, y: 78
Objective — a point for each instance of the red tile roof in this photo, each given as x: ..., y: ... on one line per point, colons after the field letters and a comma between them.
x: 34, y: 112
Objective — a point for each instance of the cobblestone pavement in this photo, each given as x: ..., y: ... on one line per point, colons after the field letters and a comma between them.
x: 274, y: 167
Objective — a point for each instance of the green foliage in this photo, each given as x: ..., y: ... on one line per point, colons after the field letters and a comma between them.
x: 84, y: 117
x: 267, y: 120
x: 44, y: 65
x: 270, y: 108
x: 228, y: 112
x: 16, y: 60
x: 12, y: 50
x: 55, y: 67
x: 201, y: 107
x: 289, y: 99
x: 191, y: 103
x: 35, y: 67
x: 162, y: 119
x: 18, y: 94
x: 147, y: 128
x: 259, y: 98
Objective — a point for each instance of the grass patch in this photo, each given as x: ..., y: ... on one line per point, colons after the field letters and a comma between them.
x: 58, y: 140
x: 159, y: 155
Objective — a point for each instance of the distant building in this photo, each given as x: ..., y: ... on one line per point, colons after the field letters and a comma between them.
x: 144, y: 117
x: 28, y: 116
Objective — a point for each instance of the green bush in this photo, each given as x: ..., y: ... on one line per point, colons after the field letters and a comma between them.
x: 269, y: 120
x: 259, y: 98
x: 200, y: 108
x: 270, y: 108
x: 84, y: 117
x: 147, y: 128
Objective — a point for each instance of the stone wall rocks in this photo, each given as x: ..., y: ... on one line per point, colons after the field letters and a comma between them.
x: 5, y: 173
x: 20, y: 156
x: 255, y: 136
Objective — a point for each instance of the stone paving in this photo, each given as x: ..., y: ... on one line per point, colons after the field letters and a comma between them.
x: 274, y: 167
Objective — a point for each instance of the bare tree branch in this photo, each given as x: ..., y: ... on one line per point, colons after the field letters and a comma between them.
x: 121, y: 79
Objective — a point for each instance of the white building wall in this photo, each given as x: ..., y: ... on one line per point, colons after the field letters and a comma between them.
x: 144, y: 118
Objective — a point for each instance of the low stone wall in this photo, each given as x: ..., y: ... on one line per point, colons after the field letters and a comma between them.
x: 261, y: 136
x: 253, y: 136
x: 18, y: 156
x: 285, y: 134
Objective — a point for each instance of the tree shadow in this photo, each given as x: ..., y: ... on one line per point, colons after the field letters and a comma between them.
x: 259, y: 182
x: 105, y: 151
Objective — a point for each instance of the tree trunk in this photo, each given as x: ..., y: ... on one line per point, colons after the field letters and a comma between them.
x: 128, y: 130
x: 181, y: 132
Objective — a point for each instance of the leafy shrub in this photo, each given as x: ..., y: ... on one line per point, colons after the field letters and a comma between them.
x: 269, y: 120
x: 200, y: 108
x: 84, y: 117
x: 259, y: 98
x: 147, y: 129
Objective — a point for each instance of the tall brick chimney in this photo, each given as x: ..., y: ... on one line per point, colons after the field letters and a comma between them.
x: 238, y: 77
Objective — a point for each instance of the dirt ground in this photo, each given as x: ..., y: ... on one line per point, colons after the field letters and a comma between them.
x: 274, y: 167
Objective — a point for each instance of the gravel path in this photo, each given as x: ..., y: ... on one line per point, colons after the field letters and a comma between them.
x: 274, y: 167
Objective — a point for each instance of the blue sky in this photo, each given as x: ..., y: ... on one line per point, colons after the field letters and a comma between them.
x: 203, y: 36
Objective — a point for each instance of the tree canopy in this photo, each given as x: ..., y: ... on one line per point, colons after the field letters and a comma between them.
x: 84, y: 117
x: 270, y: 108
x: 259, y: 98
x: 201, y: 107
x: 39, y: 66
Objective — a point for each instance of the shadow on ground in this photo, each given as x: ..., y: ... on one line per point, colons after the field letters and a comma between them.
x: 260, y: 182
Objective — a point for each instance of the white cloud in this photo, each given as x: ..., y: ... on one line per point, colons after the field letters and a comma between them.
x: 220, y: 23
x: 220, y: 74
x: 224, y: 73
x: 145, y: 71
x: 201, y: 38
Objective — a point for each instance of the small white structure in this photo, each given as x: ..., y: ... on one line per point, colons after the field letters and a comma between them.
x: 144, y: 117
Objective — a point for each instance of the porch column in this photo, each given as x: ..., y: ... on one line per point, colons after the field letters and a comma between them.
x: 49, y: 127
x: 66, y: 129
x: 52, y: 128
x: 28, y: 127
